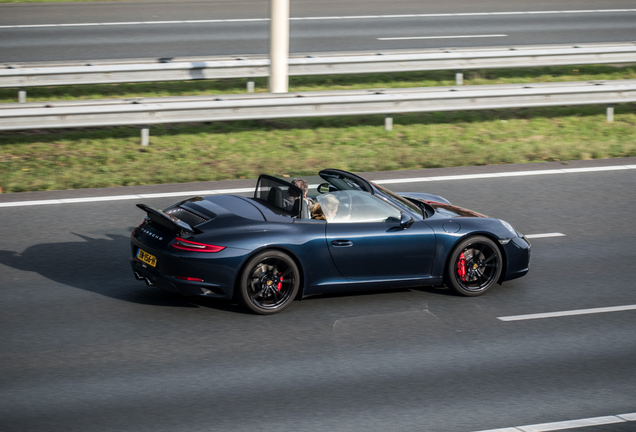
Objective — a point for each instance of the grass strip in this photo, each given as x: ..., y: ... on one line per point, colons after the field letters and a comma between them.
x: 101, y: 157
x: 71, y: 159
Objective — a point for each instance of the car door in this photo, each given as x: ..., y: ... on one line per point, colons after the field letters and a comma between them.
x: 366, y: 240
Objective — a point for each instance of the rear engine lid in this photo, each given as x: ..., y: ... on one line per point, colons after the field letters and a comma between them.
x: 170, y: 220
x: 187, y: 215
x: 232, y: 204
x: 187, y: 218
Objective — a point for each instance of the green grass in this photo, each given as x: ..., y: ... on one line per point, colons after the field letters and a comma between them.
x: 73, y: 159
x: 101, y: 157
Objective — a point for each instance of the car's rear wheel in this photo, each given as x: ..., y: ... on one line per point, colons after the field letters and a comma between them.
x: 269, y: 282
x: 474, y: 266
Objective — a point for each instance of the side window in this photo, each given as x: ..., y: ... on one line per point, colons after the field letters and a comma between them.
x: 358, y: 206
x: 278, y: 195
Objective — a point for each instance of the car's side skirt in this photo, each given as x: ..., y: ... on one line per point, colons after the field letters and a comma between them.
x: 342, y: 285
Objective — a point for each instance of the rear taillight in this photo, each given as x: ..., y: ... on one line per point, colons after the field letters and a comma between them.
x: 138, y: 226
x: 188, y: 245
x: 188, y: 278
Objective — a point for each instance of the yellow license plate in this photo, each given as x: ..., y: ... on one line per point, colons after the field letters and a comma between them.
x: 147, y: 258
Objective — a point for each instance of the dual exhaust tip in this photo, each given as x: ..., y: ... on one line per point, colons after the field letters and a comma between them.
x: 204, y: 291
x: 143, y: 278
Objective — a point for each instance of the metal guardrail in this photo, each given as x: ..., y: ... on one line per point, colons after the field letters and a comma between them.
x: 120, y: 71
x: 145, y: 112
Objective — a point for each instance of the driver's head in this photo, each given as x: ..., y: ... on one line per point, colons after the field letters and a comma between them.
x: 302, y: 184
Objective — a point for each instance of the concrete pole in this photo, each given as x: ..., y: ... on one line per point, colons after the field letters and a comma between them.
x: 388, y: 123
x: 145, y: 135
x: 459, y: 78
x: 279, y: 46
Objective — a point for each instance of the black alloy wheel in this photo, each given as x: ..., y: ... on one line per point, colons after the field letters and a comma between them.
x: 269, y: 282
x: 474, y: 266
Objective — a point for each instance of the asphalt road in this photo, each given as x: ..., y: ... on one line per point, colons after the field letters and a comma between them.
x: 85, y: 347
x: 88, y: 31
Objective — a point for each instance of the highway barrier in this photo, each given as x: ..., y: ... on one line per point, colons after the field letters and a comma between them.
x: 150, y: 111
x: 23, y: 76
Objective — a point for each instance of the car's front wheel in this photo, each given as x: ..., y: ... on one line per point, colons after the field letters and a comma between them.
x: 474, y: 266
x: 269, y: 282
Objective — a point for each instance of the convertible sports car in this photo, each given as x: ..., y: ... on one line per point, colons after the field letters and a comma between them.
x: 267, y: 250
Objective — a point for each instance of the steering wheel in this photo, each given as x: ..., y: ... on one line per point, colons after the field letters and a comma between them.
x: 345, y: 204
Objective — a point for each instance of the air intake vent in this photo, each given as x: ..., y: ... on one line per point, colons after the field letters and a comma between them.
x: 186, y: 216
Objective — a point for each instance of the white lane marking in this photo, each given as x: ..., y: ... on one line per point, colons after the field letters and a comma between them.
x: 594, y: 421
x: 388, y: 181
x: 443, y: 37
x: 567, y: 313
x: 569, y: 424
x: 123, y: 23
x: 125, y: 197
x: 507, y: 174
x: 325, y: 18
x: 546, y: 235
x: 508, y: 429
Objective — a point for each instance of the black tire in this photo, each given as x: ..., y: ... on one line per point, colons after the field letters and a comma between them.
x: 474, y: 266
x: 269, y: 282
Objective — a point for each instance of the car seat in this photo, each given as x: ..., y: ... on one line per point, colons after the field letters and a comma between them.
x: 275, y: 197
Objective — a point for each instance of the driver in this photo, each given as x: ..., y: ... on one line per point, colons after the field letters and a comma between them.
x: 291, y: 197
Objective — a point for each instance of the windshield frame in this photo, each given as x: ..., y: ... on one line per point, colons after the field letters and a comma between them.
x: 400, y: 200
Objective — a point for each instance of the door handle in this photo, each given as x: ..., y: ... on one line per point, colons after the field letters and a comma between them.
x: 342, y: 243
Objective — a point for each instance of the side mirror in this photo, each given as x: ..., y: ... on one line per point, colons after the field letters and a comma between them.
x: 324, y: 188
x: 406, y: 221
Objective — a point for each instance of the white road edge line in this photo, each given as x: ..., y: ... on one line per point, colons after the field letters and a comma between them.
x: 508, y: 174
x: 325, y: 18
x: 567, y: 313
x: 443, y: 37
x: 388, y: 181
x: 569, y: 424
x: 546, y: 235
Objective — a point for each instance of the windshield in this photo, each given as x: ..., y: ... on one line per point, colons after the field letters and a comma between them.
x: 406, y: 203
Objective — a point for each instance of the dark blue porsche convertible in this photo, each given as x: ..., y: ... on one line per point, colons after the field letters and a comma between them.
x: 346, y: 234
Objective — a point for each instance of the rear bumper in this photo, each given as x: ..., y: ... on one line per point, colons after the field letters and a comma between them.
x: 172, y: 284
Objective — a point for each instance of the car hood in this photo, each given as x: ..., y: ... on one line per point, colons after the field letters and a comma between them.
x: 448, y: 210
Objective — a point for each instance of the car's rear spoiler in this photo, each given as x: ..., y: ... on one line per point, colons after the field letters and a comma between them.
x: 166, y: 221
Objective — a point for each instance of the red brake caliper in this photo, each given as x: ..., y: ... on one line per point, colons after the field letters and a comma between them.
x: 279, y: 285
x: 461, y: 267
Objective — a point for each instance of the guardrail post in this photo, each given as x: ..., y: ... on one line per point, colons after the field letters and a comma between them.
x: 388, y: 123
x: 145, y: 135
x: 21, y: 95
x: 610, y: 113
x: 459, y: 78
x: 250, y: 85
